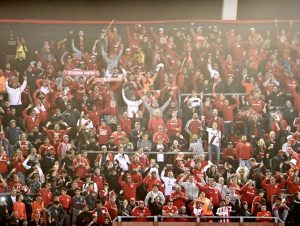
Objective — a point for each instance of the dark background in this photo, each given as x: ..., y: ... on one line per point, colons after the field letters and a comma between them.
x: 145, y: 9
x: 136, y: 10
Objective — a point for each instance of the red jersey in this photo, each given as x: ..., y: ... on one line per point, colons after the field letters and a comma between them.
x: 65, y: 201
x: 104, y: 132
x: 248, y: 194
x: 47, y: 196
x: 167, y: 210
x: 140, y: 212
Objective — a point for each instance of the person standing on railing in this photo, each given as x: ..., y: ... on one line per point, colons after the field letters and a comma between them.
x: 228, y: 116
x: 244, y: 151
x: 214, y: 142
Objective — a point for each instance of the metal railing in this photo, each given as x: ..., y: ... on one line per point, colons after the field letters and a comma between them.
x: 199, y: 219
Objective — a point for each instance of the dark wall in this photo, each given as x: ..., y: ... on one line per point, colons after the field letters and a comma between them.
x: 268, y: 9
x: 112, y: 9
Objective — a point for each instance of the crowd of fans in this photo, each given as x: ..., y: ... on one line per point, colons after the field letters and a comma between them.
x: 92, y: 131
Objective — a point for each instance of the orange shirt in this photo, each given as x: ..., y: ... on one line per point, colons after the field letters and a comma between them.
x: 20, y: 208
x: 37, y: 206
x: 2, y: 84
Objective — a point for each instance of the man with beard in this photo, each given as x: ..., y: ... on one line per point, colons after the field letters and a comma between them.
x: 141, y: 211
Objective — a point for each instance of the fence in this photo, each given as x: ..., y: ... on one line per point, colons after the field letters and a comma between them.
x: 209, y: 220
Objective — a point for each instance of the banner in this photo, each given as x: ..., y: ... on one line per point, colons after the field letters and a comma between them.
x: 88, y: 73
x: 85, y: 73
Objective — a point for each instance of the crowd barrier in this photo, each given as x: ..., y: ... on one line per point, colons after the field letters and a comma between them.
x: 196, y: 221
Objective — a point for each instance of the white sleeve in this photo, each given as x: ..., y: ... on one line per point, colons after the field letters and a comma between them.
x: 23, y: 86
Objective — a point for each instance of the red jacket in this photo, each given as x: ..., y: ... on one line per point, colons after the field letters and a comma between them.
x: 129, y: 189
x: 244, y: 150
x: 255, y: 204
x: 30, y: 122
x: 272, y: 189
x: 163, y: 136
x: 228, y: 111
x: 174, y: 126
x: 150, y: 181
x: 211, y: 193
x: 179, y: 198
x: 126, y: 125
x: 292, y: 186
x: 154, y: 122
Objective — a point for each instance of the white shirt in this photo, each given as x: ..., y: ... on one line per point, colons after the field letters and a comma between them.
x: 214, y: 133
x: 85, y: 122
x: 195, y: 101
x: 132, y: 106
x: 169, y: 183
x: 14, y: 95
x: 123, y: 161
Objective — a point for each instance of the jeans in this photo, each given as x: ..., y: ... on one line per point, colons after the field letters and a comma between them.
x: 228, y: 128
x: 245, y: 162
x: 282, y: 214
x: 213, y: 149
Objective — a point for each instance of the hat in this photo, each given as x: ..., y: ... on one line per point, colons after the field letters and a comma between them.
x: 161, y: 29
x: 293, y: 161
x: 93, y: 56
x: 128, y: 49
x: 252, y: 29
x: 170, y: 200
x: 141, y: 202
x: 260, y: 191
x: 104, y: 146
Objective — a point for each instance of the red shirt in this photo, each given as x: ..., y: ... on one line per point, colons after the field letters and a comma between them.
x: 104, y: 132
x: 292, y: 186
x: 179, y: 198
x: 154, y: 122
x: 244, y: 150
x: 211, y: 193
x: 272, y: 189
x: 65, y: 201
x: 248, y: 194
x: 47, y: 196
x: 126, y: 125
x: 261, y: 216
x: 161, y: 135
x: 129, y: 189
x: 80, y: 167
x: 143, y: 212
x: 174, y: 126
x: 172, y: 210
